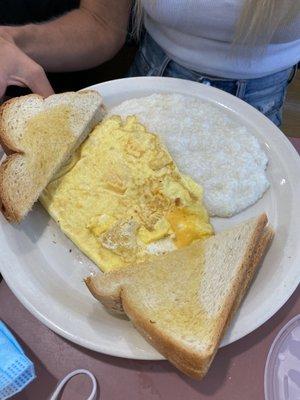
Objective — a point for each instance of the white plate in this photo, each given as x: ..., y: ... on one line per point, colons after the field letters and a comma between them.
x: 47, y: 278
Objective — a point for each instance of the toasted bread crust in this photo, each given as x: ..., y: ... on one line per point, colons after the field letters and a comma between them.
x: 7, y: 204
x: 12, y: 151
x: 246, y: 268
x: 10, y: 203
x: 112, y: 302
x: 250, y: 271
x: 8, y: 145
x: 186, y: 361
x: 190, y: 362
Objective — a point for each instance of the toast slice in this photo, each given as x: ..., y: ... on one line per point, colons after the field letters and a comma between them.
x: 183, y: 301
x: 39, y: 135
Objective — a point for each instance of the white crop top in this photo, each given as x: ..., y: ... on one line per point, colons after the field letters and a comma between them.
x: 198, y: 34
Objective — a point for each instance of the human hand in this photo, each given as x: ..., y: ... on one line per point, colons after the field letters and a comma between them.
x: 16, y: 68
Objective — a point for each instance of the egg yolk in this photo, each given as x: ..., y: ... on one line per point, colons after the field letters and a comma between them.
x: 187, y: 226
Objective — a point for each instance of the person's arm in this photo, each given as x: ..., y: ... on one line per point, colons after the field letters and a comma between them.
x: 80, y: 39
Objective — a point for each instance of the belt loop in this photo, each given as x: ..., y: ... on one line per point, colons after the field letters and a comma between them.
x: 241, y: 88
x: 292, y: 74
x: 163, y: 66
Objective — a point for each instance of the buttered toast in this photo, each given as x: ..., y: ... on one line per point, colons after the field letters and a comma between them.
x: 39, y: 135
x: 183, y: 301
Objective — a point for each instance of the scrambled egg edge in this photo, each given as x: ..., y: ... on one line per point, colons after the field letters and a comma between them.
x: 121, y: 196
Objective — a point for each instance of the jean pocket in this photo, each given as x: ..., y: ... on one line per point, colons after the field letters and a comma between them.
x: 267, y: 100
x: 269, y: 103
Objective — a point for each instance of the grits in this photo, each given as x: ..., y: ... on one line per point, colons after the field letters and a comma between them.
x: 209, y: 145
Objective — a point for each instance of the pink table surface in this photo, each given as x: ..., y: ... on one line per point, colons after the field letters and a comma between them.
x: 237, y: 372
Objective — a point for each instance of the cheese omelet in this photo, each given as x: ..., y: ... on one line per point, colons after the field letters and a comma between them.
x: 122, y: 200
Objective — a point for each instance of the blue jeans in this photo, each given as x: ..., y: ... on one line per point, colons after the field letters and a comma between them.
x: 266, y: 94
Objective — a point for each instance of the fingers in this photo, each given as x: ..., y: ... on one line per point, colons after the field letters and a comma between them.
x: 19, y: 69
x: 3, y: 86
x: 38, y: 82
x: 34, y: 77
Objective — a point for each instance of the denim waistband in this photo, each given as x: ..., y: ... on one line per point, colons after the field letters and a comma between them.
x: 158, y: 61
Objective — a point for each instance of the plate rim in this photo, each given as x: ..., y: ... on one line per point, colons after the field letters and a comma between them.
x: 124, y: 354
